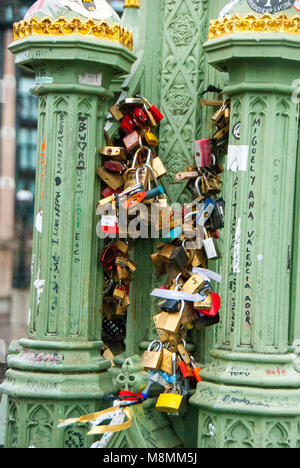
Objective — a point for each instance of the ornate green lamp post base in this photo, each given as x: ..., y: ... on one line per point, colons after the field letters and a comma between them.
x: 59, y: 372
x: 250, y: 395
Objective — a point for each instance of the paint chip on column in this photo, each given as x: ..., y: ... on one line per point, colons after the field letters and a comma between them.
x: 39, y: 222
x: 39, y: 286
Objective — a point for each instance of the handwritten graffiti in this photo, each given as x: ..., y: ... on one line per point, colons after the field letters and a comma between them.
x: 43, y: 166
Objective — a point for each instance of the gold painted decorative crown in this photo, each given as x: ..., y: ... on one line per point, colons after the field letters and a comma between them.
x: 132, y: 4
x: 63, y: 27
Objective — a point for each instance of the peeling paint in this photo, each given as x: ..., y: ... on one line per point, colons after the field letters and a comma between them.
x: 260, y: 257
x: 39, y: 222
x: 39, y: 285
x: 32, y: 262
x: 212, y: 430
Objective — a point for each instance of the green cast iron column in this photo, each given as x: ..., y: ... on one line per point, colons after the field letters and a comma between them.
x: 59, y: 372
x: 250, y: 394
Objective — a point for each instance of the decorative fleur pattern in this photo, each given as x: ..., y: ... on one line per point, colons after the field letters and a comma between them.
x: 184, y: 33
x: 182, y: 30
x: 179, y: 100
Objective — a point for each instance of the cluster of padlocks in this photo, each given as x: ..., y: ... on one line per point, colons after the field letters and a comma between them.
x: 130, y: 171
x: 189, y: 299
x: 188, y: 240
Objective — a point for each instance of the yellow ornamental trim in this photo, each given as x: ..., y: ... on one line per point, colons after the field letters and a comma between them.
x: 63, y: 27
x: 255, y: 24
x: 132, y: 4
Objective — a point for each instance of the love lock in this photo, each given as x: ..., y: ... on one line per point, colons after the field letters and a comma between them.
x: 170, y: 401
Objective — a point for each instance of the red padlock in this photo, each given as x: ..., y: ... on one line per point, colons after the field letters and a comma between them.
x: 108, y: 257
x: 196, y: 371
x: 108, y: 192
x: 132, y: 140
x: 140, y: 115
x: 127, y: 124
x: 156, y: 114
x: 216, y: 304
x: 114, y: 166
x: 186, y: 370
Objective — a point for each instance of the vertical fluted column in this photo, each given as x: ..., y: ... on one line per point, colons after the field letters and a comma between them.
x: 57, y: 372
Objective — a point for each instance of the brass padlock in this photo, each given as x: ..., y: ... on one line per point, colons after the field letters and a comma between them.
x: 122, y: 246
x: 194, y: 284
x: 166, y: 252
x: 166, y: 362
x: 126, y: 301
x: 184, y: 354
x: 170, y: 322
x: 204, y: 305
x: 119, y: 293
x: 115, y: 112
x: 160, y: 265
x: 120, y: 310
x: 112, y: 179
x: 199, y: 259
x: 130, y: 176
x: 114, y: 152
x: 163, y: 335
x: 152, y: 358
x: 210, y: 183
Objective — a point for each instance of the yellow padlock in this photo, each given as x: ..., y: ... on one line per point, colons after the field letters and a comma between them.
x: 151, y: 139
x: 169, y: 402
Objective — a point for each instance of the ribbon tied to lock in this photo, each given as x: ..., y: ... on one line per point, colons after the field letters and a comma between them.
x: 116, y: 415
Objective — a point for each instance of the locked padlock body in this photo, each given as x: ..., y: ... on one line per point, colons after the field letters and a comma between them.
x: 113, y: 180
x: 152, y: 360
x: 218, y: 215
x: 169, y: 402
x: 168, y: 322
x: 166, y: 362
x: 114, y: 153
x: 158, y: 167
x: 203, y: 153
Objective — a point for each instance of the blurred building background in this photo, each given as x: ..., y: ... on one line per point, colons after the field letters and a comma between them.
x: 18, y: 123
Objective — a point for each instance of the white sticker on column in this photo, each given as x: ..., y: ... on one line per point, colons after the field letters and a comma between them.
x: 39, y: 221
x: 90, y: 79
x: 237, y: 159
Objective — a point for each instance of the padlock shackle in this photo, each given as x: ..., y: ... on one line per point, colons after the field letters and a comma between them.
x: 152, y: 172
x: 160, y: 345
x: 177, y: 280
x: 144, y: 99
x: 197, y: 182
